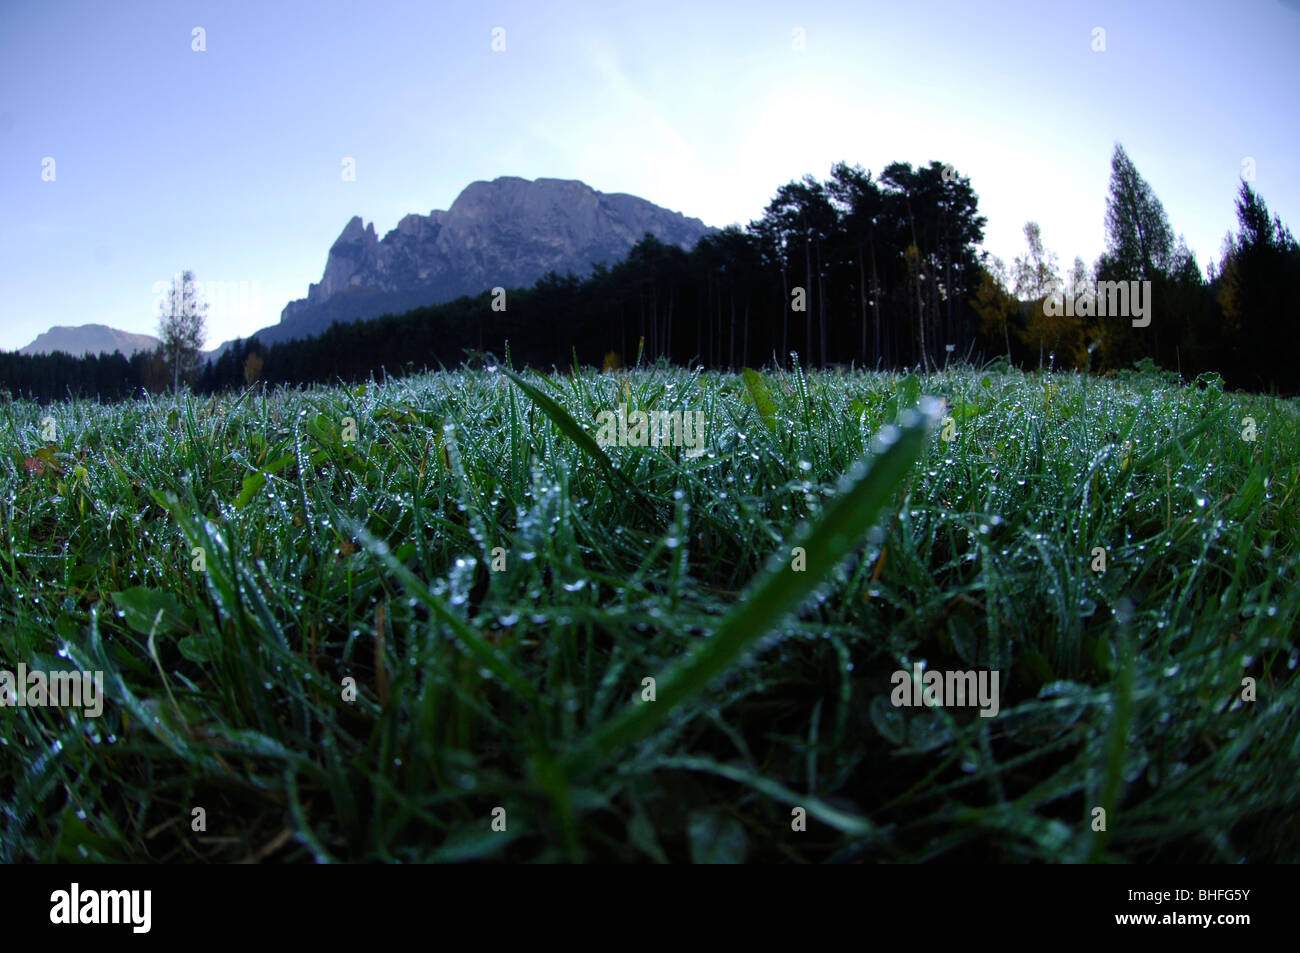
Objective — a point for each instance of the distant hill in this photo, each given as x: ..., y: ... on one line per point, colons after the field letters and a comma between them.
x: 89, y: 339
x: 508, y: 232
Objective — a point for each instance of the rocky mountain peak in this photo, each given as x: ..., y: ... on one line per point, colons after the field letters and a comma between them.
x: 505, y: 232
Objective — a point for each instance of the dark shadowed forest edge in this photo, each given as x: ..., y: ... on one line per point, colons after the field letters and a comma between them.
x: 879, y: 272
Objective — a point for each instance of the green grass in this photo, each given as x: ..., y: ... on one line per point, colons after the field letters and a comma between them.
x: 372, y: 559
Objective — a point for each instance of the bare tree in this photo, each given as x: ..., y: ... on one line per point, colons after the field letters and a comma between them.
x: 181, y: 327
x: 1036, y: 274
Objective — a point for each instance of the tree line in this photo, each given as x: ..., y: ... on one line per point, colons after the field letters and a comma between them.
x: 1241, y: 318
x: 878, y: 271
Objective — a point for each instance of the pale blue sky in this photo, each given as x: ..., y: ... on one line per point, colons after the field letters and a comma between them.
x: 228, y: 161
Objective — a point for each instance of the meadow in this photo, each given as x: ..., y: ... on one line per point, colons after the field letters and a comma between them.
x: 433, y: 619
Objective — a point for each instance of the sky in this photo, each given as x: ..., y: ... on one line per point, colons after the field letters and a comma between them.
x: 229, y: 160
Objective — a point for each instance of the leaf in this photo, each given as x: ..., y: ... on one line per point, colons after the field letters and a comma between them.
x: 1039, y: 668
x: 716, y: 838
x: 78, y: 844
x: 1178, y: 442
x: 908, y: 393
x: 888, y: 720
x: 964, y: 641
x: 324, y: 430
x: 570, y: 428
x: 857, y: 827
x: 478, y: 647
x: 197, y: 648
x: 43, y: 460
x: 143, y: 608
x: 641, y: 833
x: 759, y: 395
x: 863, y: 493
x: 1252, y: 490
x: 252, y: 483
x: 255, y: 481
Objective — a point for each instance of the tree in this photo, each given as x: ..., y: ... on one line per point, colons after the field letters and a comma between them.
x: 859, y: 203
x: 1139, y: 239
x: 1139, y: 247
x: 1036, y: 275
x: 995, y: 304
x: 252, y: 368
x: 1257, y: 281
x: 181, y: 328
x: 1036, y: 279
x: 804, y: 209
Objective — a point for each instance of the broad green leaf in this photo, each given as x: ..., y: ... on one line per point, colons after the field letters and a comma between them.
x: 759, y: 395
x: 197, y: 648
x: 252, y: 483
x: 255, y: 481
x: 908, y: 393
x: 142, y: 609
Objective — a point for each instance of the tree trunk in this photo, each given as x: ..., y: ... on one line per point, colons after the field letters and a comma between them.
x: 821, y: 305
x: 744, y: 348
x: 785, y: 313
x: 668, y: 324
x: 732, y: 357
x: 862, y: 299
x: 807, y: 293
x: 875, y: 294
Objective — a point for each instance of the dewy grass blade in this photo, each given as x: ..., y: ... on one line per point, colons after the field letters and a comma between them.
x: 864, y: 492
x: 585, y: 441
x: 1180, y: 441
x: 473, y: 643
x: 569, y: 427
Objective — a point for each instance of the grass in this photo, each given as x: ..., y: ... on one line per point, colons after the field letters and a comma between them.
x: 476, y: 687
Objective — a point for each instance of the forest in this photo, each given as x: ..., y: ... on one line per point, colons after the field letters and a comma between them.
x: 880, y: 271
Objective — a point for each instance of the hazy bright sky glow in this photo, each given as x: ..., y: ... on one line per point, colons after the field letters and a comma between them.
x: 228, y: 161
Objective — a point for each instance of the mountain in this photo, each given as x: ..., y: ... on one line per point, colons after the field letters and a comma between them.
x: 89, y: 339
x: 508, y: 232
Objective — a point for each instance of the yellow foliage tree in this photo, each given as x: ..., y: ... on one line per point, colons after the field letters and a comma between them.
x: 1057, y: 334
x: 996, y: 307
x: 252, y: 369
